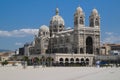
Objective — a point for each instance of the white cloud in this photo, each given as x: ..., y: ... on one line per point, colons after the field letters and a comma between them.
x: 68, y: 28
x: 18, y: 44
x: 111, y: 37
x: 109, y: 33
x: 18, y: 33
x: 4, y: 33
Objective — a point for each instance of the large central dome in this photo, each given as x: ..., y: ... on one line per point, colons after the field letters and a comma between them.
x: 57, y: 19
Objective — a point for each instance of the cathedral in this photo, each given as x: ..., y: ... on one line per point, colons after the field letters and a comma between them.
x: 76, y: 45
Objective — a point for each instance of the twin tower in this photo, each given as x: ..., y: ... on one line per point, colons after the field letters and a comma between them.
x: 57, y: 22
x: 79, y: 18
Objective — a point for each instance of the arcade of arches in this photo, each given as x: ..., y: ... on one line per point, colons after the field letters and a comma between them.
x: 81, y: 61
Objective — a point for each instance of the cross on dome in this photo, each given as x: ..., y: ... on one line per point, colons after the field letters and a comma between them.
x: 57, y: 11
x: 79, y: 9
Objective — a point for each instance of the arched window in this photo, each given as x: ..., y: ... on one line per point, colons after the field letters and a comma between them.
x: 76, y: 21
x: 97, y: 22
x: 66, y: 60
x: 82, y: 60
x: 91, y: 23
x: 72, y: 60
x: 60, y: 26
x: 44, y: 33
x: 77, y: 60
x: 75, y: 50
x: 81, y: 50
x: 81, y: 20
x: 87, y: 61
x: 61, y: 59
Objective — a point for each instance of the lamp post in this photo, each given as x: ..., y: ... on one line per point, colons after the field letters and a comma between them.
x: 15, y: 57
x: 117, y: 60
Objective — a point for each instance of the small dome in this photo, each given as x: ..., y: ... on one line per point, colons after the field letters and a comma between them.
x: 94, y: 11
x: 44, y: 28
x: 57, y: 19
x: 79, y: 9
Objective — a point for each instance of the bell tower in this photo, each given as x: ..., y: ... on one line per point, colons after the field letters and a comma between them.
x: 94, y: 19
x: 79, y: 24
x: 79, y: 18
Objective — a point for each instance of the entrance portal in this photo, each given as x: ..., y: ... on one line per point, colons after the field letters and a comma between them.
x: 89, y: 45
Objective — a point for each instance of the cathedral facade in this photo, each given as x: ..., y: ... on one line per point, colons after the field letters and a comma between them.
x: 76, y: 45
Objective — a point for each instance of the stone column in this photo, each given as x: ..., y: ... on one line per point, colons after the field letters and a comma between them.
x: 84, y: 43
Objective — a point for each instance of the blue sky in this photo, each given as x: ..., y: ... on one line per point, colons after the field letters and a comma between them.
x: 21, y: 19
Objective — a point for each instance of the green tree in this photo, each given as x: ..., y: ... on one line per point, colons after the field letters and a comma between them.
x: 0, y: 58
x: 36, y: 59
x: 25, y: 58
x: 49, y: 60
x: 5, y: 62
